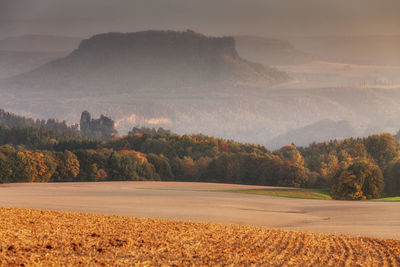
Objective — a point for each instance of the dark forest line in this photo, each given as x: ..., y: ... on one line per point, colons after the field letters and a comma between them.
x: 354, y: 168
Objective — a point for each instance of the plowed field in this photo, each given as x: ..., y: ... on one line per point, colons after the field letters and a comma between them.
x: 34, y: 237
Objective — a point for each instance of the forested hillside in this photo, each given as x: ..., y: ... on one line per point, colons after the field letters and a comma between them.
x: 12, y: 120
x: 360, y: 168
x: 102, y: 128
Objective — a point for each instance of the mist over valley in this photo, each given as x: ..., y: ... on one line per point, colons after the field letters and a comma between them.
x: 191, y: 83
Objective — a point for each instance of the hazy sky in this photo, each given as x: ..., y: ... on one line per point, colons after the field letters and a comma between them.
x: 261, y: 17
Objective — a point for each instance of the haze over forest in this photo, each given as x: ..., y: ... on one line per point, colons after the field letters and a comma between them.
x: 269, y: 72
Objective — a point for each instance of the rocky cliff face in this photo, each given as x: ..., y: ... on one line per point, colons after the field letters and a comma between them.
x: 102, y: 128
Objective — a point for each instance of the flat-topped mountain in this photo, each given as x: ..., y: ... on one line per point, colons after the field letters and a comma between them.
x: 123, y: 62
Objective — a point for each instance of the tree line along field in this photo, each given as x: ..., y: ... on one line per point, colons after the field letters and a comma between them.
x: 34, y: 237
x: 361, y: 168
x: 302, y: 193
x: 52, y: 151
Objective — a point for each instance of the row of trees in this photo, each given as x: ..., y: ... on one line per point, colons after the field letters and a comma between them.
x: 20, y: 165
x: 354, y: 168
x: 36, y: 166
x: 43, y: 139
x: 13, y: 120
x: 351, y: 169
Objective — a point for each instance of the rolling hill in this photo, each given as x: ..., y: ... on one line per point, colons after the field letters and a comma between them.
x: 324, y: 130
x: 17, y: 62
x: 21, y: 54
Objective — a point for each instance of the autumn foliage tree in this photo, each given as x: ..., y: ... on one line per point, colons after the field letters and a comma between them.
x: 37, y: 166
x: 130, y: 165
x: 5, y: 169
x: 161, y: 165
x: 362, y: 179
x: 392, y: 178
x: 382, y: 148
x: 92, y: 164
x: 67, y: 167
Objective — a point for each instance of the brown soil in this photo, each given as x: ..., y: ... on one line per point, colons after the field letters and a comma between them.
x: 34, y: 237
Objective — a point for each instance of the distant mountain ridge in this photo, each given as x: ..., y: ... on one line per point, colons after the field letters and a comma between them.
x: 320, y: 131
x: 122, y: 62
x: 24, y: 53
x: 368, y: 50
x: 16, y: 62
x: 270, y: 51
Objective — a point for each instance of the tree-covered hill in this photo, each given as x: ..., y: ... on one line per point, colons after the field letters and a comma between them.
x: 361, y: 168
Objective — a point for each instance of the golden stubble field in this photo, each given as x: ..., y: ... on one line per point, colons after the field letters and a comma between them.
x: 35, y: 237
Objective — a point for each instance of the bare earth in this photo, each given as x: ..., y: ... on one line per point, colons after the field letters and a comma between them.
x: 53, y: 238
x: 196, y: 202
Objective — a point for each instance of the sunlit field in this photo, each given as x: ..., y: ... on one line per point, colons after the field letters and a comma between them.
x: 290, y: 193
x: 388, y: 199
x: 30, y: 237
x: 299, y: 193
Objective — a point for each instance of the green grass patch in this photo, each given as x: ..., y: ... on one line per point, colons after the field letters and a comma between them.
x: 388, y: 199
x: 290, y: 193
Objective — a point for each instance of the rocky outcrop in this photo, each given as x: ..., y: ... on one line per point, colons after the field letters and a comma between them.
x: 99, y: 129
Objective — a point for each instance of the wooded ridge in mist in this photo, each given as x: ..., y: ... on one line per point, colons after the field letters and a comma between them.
x: 189, y: 83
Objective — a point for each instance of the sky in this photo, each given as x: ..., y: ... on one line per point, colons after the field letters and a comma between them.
x: 83, y: 18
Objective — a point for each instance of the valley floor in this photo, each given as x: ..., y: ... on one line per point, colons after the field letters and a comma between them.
x: 201, y: 202
x: 49, y: 238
